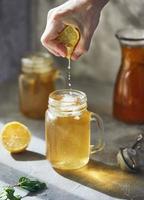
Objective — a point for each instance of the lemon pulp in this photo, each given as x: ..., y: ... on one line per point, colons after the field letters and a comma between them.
x: 15, y: 137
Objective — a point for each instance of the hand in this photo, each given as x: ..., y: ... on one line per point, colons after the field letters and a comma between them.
x: 83, y: 14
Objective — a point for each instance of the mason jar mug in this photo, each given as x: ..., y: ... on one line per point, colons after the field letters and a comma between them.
x: 67, y: 129
x: 36, y: 82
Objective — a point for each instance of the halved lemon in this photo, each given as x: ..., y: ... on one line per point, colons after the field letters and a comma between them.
x: 69, y: 37
x: 15, y: 137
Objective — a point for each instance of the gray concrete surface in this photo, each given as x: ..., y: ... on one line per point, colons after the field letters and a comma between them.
x: 107, y: 182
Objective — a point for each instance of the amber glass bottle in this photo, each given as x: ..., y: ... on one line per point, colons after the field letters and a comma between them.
x: 128, y: 103
x: 68, y: 130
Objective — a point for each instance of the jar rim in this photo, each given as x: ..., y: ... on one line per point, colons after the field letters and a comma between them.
x: 37, y: 62
x: 131, y: 36
x: 67, y: 100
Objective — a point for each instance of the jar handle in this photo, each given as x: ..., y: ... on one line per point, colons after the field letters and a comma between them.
x: 99, y: 127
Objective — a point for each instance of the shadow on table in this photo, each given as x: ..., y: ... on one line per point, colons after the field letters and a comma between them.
x: 28, y: 156
x: 10, y: 176
x: 108, y: 179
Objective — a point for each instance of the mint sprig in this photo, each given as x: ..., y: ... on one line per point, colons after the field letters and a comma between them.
x: 28, y: 184
x: 8, y: 194
x: 31, y: 185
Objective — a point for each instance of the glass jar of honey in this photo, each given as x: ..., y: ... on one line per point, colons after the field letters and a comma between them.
x: 67, y: 124
x: 36, y: 82
x: 129, y: 88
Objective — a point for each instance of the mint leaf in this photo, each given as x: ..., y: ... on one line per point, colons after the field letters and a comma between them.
x: 31, y: 185
x: 8, y: 194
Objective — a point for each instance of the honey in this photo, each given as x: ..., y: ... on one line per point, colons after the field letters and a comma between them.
x: 129, y: 87
x: 67, y: 129
x: 36, y: 82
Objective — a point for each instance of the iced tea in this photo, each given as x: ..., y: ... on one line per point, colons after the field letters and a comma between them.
x: 129, y: 88
x: 68, y: 141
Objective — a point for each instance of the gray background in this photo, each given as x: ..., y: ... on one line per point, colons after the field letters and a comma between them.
x: 14, y: 35
x: 22, y: 23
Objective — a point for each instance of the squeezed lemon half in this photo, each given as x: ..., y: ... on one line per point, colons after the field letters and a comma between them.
x: 69, y: 37
x: 15, y: 137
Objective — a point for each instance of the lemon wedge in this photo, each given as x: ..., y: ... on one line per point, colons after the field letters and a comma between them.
x: 15, y: 137
x: 69, y: 37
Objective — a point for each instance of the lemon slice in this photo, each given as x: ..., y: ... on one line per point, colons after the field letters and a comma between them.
x: 15, y: 137
x: 69, y: 37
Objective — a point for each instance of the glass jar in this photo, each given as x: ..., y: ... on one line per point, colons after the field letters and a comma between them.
x: 129, y: 88
x: 36, y: 82
x: 67, y: 125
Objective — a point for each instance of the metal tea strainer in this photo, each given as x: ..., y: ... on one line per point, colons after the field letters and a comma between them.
x: 132, y: 158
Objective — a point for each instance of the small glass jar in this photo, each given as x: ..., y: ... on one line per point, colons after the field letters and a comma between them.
x: 36, y: 82
x: 67, y: 125
x: 128, y: 103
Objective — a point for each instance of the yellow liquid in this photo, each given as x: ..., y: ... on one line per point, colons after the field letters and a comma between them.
x: 69, y: 73
x: 34, y: 90
x: 68, y: 141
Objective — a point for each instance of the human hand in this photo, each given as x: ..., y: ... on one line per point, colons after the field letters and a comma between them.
x: 83, y: 14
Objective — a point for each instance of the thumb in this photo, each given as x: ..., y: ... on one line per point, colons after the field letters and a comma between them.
x: 86, y: 37
x: 82, y: 47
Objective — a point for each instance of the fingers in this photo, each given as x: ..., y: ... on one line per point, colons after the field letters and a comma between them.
x: 49, y: 37
x: 55, y: 47
x: 53, y: 52
x: 72, y: 12
x: 82, y: 47
x: 85, y: 39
